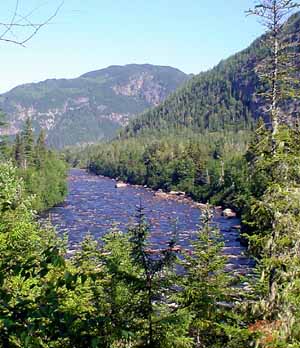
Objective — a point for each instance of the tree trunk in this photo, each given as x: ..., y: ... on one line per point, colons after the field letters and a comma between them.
x: 274, y: 106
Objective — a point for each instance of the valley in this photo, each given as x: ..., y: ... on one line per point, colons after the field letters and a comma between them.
x: 143, y: 207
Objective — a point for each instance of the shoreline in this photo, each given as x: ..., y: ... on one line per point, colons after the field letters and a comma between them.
x: 179, y: 197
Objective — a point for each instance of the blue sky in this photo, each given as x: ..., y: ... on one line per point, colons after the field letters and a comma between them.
x: 192, y: 35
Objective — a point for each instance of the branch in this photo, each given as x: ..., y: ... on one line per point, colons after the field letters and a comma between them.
x: 24, y: 23
x: 9, y: 26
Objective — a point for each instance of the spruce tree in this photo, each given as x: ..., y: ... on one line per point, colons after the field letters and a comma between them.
x: 19, y: 155
x: 277, y: 69
x: 40, y: 149
x: 4, y: 146
x: 160, y: 325
x: 28, y: 141
x: 207, y: 291
x: 272, y: 218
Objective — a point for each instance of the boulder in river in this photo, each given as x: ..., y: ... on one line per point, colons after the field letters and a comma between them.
x: 229, y: 213
x: 120, y: 184
x: 174, y: 193
x: 177, y: 193
x: 161, y: 194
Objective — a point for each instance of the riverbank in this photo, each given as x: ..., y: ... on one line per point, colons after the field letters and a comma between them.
x: 177, y: 196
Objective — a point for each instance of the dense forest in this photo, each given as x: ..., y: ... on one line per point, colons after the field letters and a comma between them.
x: 210, y: 167
x: 119, y: 292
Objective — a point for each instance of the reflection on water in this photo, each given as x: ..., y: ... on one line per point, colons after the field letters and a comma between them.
x: 94, y: 205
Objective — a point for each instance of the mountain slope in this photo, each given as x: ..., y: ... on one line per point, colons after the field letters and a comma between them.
x: 226, y: 97
x: 91, y: 107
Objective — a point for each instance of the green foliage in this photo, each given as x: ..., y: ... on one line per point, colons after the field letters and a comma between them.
x: 273, y: 225
x: 28, y: 143
x: 153, y: 284
x: 43, y: 172
x: 208, y: 292
x: 26, y: 256
x: 4, y: 146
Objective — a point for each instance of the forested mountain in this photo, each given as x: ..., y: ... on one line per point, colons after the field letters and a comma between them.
x: 92, y: 106
x: 229, y: 96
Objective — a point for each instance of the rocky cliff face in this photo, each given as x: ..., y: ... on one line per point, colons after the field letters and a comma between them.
x: 143, y: 86
x: 91, y: 107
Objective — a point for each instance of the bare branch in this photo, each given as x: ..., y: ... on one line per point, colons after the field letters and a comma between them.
x: 9, y: 26
x: 24, y: 23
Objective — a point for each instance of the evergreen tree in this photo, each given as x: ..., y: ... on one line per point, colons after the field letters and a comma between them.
x: 4, y: 146
x: 43, y: 171
x: 40, y: 149
x: 28, y: 141
x: 276, y: 70
x: 19, y: 155
x: 274, y: 224
x: 208, y: 293
x: 160, y: 326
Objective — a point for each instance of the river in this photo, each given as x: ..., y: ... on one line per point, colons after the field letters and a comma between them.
x: 94, y: 205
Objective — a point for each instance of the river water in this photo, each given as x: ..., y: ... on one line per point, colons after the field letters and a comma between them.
x: 94, y: 205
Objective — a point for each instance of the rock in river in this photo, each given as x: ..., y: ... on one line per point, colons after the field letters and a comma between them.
x: 229, y: 213
x: 120, y: 184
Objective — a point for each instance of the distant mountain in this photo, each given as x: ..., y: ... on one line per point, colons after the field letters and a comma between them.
x: 92, y: 106
x: 225, y: 97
